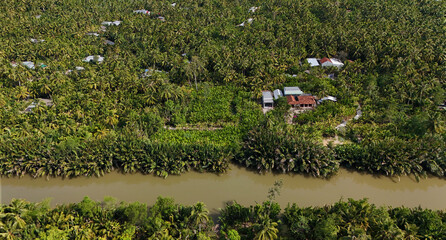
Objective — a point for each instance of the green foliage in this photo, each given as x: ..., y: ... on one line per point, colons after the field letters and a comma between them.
x: 254, y: 222
x: 152, y: 123
x: 268, y: 148
x: 343, y: 220
x: 248, y: 112
x: 280, y: 110
x: 326, y: 229
x: 327, y: 110
x: 204, y: 72
x: 53, y: 234
x: 96, y: 157
x: 227, y: 136
x: 300, y: 228
x: 396, y: 156
x: 87, y: 208
x: 233, y: 235
x: 133, y: 213
x: 419, y: 223
x: 234, y: 214
x: 87, y: 220
x: 352, y: 219
x: 211, y: 105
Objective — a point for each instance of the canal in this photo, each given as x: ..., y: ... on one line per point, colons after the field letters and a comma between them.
x: 238, y: 184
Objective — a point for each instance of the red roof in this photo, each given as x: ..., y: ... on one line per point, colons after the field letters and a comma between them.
x: 324, y: 60
x: 300, y: 100
x: 290, y: 99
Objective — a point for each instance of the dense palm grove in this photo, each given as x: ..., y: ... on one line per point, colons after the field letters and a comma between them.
x: 196, y: 105
x: 167, y: 220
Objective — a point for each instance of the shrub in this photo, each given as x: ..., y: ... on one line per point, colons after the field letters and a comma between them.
x: 270, y: 148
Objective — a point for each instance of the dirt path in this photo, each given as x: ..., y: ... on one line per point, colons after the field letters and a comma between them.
x: 333, y: 140
x: 193, y: 128
x: 356, y: 117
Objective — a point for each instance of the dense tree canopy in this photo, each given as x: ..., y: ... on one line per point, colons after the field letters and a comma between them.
x: 88, y: 219
x: 191, y: 68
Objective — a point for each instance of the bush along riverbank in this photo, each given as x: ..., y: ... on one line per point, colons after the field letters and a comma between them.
x: 351, y: 219
x: 99, y: 156
x: 396, y: 157
x: 275, y: 149
x: 270, y: 146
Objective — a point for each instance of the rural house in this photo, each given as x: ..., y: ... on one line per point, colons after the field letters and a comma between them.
x: 325, y: 62
x: 267, y: 99
x: 143, y: 11
x: 330, y: 62
x: 28, y: 64
x: 92, y: 34
x: 95, y: 58
x: 295, y: 97
x: 37, y: 102
x: 302, y: 102
x: 116, y: 23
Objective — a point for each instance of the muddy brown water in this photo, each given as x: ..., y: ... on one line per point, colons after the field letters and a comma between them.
x: 238, y: 184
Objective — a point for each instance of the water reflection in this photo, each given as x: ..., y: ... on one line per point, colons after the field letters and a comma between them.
x: 238, y: 184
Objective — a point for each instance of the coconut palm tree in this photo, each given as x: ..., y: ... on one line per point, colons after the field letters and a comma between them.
x: 199, y: 215
x: 11, y: 219
x: 268, y: 230
x: 22, y: 92
x: 194, y: 68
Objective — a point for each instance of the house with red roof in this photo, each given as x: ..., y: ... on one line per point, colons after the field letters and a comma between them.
x: 330, y: 62
x: 302, y: 102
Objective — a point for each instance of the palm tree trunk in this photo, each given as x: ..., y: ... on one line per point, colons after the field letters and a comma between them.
x: 195, y: 78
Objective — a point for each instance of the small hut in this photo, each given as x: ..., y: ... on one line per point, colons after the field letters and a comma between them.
x: 277, y: 94
x: 267, y: 99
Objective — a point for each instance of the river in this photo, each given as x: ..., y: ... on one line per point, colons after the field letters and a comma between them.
x: 238, y: 184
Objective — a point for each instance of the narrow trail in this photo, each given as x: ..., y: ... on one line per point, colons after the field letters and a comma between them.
x: 193, y: 128
x: 344, y: 123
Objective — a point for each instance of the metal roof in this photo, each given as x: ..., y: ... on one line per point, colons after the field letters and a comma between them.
x: 336, y: 62
x: 313, y: 62
x: 109, y: 42
x: 331, y: 98
x: 292, y: 91
x: 267, y: 97
x: 95, y: 58
x: 92, y: 34
x: 28, y: 64
x: 277, y: 93
x: 332, y: 62
x: 116, y: 23
x: 143, y: 11
x: 253, y: 9
x: 358, y: 114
